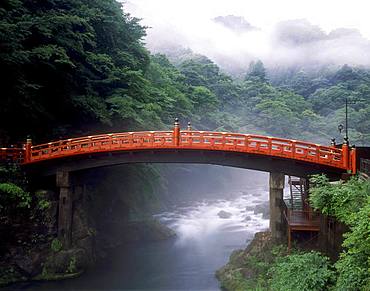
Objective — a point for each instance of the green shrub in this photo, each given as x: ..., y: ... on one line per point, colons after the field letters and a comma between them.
x: 341, y: 200
x: 354, y: 263
x: 72, y: 265
x: 43, y: 204
x: 12, y: 193
x: 56, y: 245
x: 307, y: 271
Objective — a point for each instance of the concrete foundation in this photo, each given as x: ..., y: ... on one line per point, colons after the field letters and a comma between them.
x: 277, y: 181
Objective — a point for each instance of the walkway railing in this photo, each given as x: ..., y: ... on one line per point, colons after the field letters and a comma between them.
x: 365, y: 168
x: 185, y: 139
x: 302, y: 218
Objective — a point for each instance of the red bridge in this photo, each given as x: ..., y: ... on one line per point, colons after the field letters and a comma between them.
x: 262, y: 149
x: 275, y: 155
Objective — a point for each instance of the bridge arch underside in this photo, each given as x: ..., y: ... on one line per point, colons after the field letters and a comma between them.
x: 233, y: 159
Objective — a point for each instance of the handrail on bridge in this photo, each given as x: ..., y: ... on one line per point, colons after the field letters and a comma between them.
x: 342, y: 158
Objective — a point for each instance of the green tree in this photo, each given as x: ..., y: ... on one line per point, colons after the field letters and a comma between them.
x: 256, y: 72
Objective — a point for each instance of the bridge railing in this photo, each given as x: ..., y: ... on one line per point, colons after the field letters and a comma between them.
x: 13, y: 155
x: 258, y: 144
x: 102, y: 143
x: 186, y: 139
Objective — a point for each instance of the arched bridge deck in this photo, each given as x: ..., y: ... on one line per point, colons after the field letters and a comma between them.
x: 264, y: 148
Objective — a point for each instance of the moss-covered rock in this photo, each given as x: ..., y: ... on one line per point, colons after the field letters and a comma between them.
x: 63, y: 264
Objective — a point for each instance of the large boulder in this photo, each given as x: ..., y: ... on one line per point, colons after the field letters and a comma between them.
x: 224, y: 214
x: 263, y: 208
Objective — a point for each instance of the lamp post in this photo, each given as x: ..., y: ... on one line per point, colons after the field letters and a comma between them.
x: 346, y: 127
x: 340, y: 126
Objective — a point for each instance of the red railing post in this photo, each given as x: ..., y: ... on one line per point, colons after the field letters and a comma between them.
x: 269, y: 145
x: 189, y: 126
x: 333, y: 144
x: 353, y: 161
x: 345, y: 156
x: 176, y: 132
x: 28, y: 155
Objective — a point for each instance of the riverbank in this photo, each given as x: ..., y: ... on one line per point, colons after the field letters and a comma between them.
x: 266, y: 265
x: 248, y: 269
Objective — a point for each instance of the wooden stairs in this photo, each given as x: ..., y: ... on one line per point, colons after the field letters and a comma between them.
x: 298, y: 213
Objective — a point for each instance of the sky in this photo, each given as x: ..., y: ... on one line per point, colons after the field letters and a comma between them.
x: 278, y: 39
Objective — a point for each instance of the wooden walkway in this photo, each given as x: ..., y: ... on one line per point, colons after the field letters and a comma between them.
x: 300, y: 220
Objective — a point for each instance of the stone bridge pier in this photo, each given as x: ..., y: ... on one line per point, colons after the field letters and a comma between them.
x: 276, y: 185
x: 64, y: 184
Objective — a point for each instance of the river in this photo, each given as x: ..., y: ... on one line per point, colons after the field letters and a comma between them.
x: 203, y: 244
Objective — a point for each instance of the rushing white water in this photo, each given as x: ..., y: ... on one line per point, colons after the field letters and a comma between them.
x: 201, y: 219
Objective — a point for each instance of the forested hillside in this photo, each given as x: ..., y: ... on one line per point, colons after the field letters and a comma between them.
x: 77, y: 67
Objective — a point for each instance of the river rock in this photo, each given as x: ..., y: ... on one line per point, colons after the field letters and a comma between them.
x: 248, y: 218
x: 29, y: 262
x: 263, y: 208
x: 224, y: 214
x: 80, y: 226
x: 146, y: 230
x: 249, y: 208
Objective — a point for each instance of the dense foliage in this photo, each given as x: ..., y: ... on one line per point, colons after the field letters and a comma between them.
x: 14, y: 199
x: 349, y: 203
x: 63, y: 62
x: 307, y: 271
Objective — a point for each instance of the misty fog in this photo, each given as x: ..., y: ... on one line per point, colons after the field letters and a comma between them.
x: 233, y: 40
